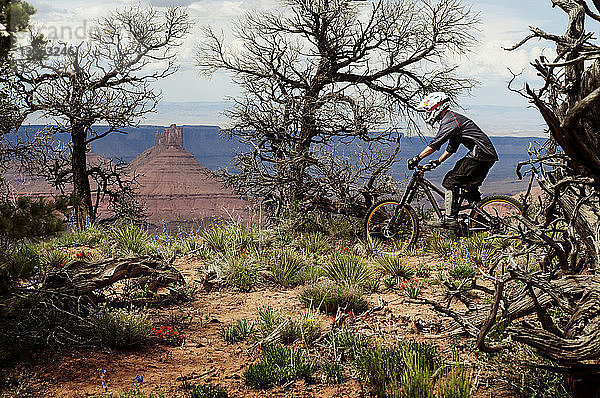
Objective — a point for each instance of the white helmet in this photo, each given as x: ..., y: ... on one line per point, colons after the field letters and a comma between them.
x: 434, y: 104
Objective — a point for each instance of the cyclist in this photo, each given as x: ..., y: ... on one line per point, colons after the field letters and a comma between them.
x: 469, y: 172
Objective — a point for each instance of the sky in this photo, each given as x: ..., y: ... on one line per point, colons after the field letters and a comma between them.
x: 191, y: 98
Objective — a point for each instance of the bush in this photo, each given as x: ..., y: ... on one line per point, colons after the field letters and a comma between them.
x: 329, y: 297
x: 208, y: 391
x: 28, y: 218
x: 441, y: 242
x: 381, y: 368
x: 53, y: 259
x: 19, y: 261
x: 218, y: 239
x: 277, y: 366
x: 121, y: 328
x: 128, y: 239
x: 91, y: 235
x: 286, y: 267
x: 348, y: 269
x: 395, y: 266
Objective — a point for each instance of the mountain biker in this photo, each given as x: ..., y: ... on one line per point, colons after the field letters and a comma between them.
x: 469, y: 172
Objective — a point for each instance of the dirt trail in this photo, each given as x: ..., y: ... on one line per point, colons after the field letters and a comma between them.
x: 206, y: 357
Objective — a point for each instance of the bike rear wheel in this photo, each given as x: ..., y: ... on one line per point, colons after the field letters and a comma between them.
x: 391, y: 228
x: 499, y: 214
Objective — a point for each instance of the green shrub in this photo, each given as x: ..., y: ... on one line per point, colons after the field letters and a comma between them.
x: 348, y: 269
x: 462, y: 270
x: 403, y: 370
x: 277, y: 366
x: 28, y: 218
x: 333, y: 372
x: 91, y: 235
x: 208, y: 391
x: 329, y: 297
x: 190, y: 246
x: 396, y: 266
x: 441, y: 242
x: 121, y: 328
x: 129, y: 239
x: 307, y: 328
x: 286, y: 267
x: 423, y: 271
x: 240, y: 331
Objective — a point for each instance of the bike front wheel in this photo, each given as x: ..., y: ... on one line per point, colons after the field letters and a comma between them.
x: 390, y: 227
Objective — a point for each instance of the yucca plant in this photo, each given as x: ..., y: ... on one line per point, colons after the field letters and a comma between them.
x: 348, y: 269
x: 128, y: 239
x: 395, y: 266
x: 332, y: 372
x: 329, y: 297
x: 54, y: 259
x: 120, y: 328
x: 440, y: 243
x: 241, y: 272
x: 277, y: 366
x: 286, y: 267
x: 314, y: 242
x: 346, y: 344
x: 219, y: 239
x: 240, y: 331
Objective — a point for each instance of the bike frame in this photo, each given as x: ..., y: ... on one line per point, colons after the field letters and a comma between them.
x: 418, y: 181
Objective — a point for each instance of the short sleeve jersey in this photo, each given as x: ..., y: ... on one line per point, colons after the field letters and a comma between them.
x: 457, y: 129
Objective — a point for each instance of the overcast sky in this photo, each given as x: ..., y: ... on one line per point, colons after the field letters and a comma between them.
x: 504, y: 22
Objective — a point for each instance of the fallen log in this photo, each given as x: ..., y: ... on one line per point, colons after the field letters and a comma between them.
x: 80, y: 278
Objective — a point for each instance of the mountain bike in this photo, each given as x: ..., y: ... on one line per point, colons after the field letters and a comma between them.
x: 393, y: 225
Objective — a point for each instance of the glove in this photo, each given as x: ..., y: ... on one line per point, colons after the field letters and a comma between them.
x: 433, y: 164
x: 413, y: 162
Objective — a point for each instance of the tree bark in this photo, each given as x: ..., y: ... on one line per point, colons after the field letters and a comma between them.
x: 81, y: 183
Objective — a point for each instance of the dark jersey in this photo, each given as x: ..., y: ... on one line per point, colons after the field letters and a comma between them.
x: 457, y: 129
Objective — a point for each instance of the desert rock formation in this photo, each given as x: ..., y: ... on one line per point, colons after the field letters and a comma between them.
x: 175, y: 186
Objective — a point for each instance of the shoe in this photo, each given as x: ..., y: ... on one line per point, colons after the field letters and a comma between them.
x: 445, y: 222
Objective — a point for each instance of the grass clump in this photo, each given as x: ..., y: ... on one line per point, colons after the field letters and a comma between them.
x: 241, y: 272
x: 314, y: 242
x: 333, y: 372
x: 403, y: 370
x: 456, y: 383
x: 19, y: 261
x: 346, y: 345
x: 278, y: 365
x: 208, y: 391
x: 307, y: 329
x: 121, y: 328
x: 441, y: 242
x: 240, y: 331
x: 129, y: 239
x: 348, y: 269
x: 53, y: 259
x: 395, y: 266
x: 286, y: 267
x: 329, y: 297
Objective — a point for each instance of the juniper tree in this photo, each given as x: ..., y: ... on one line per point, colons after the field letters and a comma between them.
x: 318, y: 74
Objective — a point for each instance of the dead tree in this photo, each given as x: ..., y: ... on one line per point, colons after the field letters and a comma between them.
x: 554, y: 308
x: 107, y: 80
x: 320, y: 74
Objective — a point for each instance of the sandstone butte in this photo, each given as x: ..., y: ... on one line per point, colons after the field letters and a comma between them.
x: 173, y: 185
